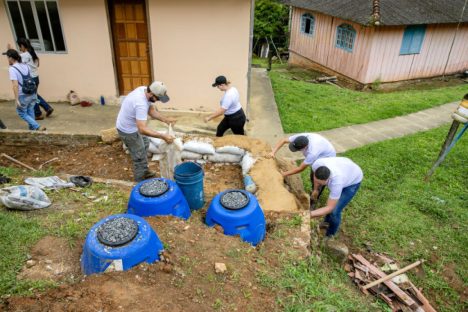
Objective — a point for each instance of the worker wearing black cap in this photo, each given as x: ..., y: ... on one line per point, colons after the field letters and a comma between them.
x: 234, y: 116
x: 313, y: 146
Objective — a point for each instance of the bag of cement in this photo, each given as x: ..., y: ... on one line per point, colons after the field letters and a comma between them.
x: 190, y: 155
x: 230, y: 150
x: 172, y: 158
x: 73, y: 98
x: 49, y: 183
x: 157, y: 146
x: 247, y: 163
x: 224, y: 158
x: 199, y: 147
x: 24, y: 197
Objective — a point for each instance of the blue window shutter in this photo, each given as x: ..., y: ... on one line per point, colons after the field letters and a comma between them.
x: 413, y: 38
x: 418, y: 38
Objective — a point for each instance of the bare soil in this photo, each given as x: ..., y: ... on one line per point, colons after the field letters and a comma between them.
x: 185, y: 281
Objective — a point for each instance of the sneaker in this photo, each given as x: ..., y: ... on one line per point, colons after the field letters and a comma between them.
x: 40, y: 117
x: 49, y: 112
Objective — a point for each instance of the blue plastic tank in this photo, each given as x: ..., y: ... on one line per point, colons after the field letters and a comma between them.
x: 189, y: 177
x: 248, y: 222
x: 171, y: 202
x: 142, y: 246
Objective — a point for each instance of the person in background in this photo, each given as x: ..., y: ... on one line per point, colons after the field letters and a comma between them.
x: 132, y: 125
x: 29, y: 57
x: 24, y: 102
x: 234, y: 116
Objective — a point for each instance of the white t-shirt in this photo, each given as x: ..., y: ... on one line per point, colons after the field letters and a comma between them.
x: 343, y: 173
x: 14, y: 75
x: 134, y: 107
x: 230, y: 101
x: 26, y: 58
x: 318, y: 147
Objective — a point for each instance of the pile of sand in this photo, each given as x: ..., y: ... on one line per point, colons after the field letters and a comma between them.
x: 272, y: 193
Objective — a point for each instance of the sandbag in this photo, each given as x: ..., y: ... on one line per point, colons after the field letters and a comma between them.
x: 24, y: 197
x: 172, y: 158
x: 190, y: 155
x: 231, y: 150
x: 224, y: 158
x: 199, y: 147
x: 247, y: 163
x: 157, y: 146
x: 49, y: 183
x: 73, y: 98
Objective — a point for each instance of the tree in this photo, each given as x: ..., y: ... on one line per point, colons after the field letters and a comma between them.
x: 271, y: 21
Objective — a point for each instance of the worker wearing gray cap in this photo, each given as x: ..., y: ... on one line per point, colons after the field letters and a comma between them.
x: 132, y: 124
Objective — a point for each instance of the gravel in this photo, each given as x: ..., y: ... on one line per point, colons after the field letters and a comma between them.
x: 154, y: 188
x: 117, y: 232
x: 234, y: 200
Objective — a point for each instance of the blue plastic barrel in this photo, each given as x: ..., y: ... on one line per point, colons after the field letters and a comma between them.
x: 189, y: 177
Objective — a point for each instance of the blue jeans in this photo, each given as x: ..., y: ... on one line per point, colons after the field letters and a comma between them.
x: 26, y: 110
x: 334, y: 218
x: 40, y: 102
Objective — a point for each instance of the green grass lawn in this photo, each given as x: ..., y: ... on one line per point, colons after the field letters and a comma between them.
x: 19, y: 231
x: 398, y: 213
x: 305, y: 106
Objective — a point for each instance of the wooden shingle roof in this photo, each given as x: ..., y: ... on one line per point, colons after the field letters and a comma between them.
x: 388, y: 12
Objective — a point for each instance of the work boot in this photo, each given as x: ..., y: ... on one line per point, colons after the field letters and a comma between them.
x: 49, y: 112
x: 40, y: 117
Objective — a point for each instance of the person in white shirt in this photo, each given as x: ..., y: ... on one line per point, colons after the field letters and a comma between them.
x: 343, y: 177
x: 24, y: 102
x: 234, y: 116
x: 132, y: 125
x: 313, y: 146
x: 30, y: 58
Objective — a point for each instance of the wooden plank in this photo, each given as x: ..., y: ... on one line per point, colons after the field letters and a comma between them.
x: 426, y: 305
x: 400, y: 293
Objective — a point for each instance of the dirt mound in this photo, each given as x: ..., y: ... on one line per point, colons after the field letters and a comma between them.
x: 186, y: 281
x: 52, y: 258
x: 272, y: 193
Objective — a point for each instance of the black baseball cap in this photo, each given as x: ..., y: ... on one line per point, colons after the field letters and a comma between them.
x: 219, y: 81
x: 299, y: 143
x: 12, y: 53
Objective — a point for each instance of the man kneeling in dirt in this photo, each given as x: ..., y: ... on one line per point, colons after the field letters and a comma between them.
x: 343, y: 177
x: 132, y: 125
x: 313, y: 146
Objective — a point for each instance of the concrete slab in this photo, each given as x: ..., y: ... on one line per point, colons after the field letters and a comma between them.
x: 91, y: 120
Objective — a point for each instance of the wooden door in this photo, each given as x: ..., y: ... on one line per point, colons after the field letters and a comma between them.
x: 131, y: 46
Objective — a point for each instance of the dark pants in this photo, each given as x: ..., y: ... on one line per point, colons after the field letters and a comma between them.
x: 334, y: 218
x: 40, y: 102
x: 137, y: 146
x: 235, y: 122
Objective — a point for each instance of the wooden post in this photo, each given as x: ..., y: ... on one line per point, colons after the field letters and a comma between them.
x: 448, y: 144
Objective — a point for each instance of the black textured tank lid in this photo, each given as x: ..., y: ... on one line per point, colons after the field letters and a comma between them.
x: 154, y: 188
x: 117, y: 232
x: 234, y: 200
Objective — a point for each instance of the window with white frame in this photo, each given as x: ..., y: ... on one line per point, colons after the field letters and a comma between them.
x: 307, y: 24
x: 345, y: 36
x: 39, y: 21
